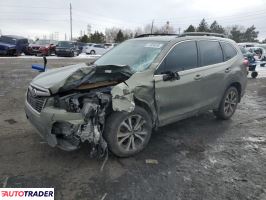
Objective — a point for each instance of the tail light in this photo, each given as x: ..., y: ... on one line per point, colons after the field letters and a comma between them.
x: 246, y: 64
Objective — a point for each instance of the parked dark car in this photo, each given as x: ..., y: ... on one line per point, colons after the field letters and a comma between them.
x: 42, y: 47
x: 13, y: 45
x: 66, y: 48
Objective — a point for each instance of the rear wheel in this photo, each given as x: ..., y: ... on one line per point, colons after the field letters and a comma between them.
x: 254, y: 74
x: 228, y: 104
x: 92, y: 52
x: 128, y: 133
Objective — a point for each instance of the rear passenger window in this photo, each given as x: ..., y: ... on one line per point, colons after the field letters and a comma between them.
x: 210, y: 52
x: 182, y: 57
x: 229, y: 51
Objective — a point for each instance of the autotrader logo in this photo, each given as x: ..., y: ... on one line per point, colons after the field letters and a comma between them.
x: 27, y: 193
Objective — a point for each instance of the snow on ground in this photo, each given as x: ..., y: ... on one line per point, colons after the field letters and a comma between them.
x: 261, y: 71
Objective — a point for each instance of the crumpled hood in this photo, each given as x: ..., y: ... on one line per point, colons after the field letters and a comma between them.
x: 53, y: 79
x: 70, y: 77
x: 7, y: 45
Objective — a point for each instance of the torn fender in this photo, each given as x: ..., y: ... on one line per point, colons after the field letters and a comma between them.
x: 122, y: 98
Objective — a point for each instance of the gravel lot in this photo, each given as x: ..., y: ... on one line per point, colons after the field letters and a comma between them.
x: 198, y: 158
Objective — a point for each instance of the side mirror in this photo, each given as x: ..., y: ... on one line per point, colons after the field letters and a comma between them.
x: 170, y: 76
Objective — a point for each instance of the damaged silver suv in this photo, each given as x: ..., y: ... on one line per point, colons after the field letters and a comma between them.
x: 141, y: 84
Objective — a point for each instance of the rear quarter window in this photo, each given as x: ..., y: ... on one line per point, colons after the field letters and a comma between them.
x: 210, y: 52
x: 228, y: 50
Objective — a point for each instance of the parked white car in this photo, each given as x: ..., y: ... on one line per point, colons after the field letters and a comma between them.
x: 86, y: 46
x: 96, y: 49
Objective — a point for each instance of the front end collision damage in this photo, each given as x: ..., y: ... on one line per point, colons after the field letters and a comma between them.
x: 77, y: 110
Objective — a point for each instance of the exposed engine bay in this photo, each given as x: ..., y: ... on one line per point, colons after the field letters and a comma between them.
x: 94, y: 107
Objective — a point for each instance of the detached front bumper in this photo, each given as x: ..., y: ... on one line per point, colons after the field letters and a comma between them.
x: 45, y: 120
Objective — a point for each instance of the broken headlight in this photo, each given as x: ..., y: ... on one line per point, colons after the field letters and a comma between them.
x: 70, y: 103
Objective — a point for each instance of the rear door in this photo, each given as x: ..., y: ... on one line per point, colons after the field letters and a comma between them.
x: 175, y: 99
x: 212, y: 69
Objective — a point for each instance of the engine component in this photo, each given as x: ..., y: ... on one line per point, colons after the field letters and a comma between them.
x: 94, y: 107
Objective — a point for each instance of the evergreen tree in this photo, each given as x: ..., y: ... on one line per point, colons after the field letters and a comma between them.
x: 251, y: 35
x: 120, y: 37
x: 236, y: 34
x: 203, y: 26
x: 84, y: 39
x: 97, y: 37
x: 191, y: 28
x: 216, y: 28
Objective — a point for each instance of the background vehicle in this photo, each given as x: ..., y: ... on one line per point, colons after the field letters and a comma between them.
x: 97, y: 49
x: 258, y: 52
x: 88, y: 45
x: 248, y: 44
x: 66, y: 48
x: 13, y: 45
x: 249, y: 56
x: 42, y: 47
x: 80, y: 45
x: 110, y: 45
x: 143, y: 83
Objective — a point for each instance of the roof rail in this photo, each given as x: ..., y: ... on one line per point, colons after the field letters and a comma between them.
x: 202, y: 34
x: 155, y: 34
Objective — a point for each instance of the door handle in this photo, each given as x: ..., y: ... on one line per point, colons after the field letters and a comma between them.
x: 197, y: 77
x: 228, y: 69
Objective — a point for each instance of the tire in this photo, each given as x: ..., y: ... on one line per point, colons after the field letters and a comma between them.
x: 228, y: 104
x: 92, y: 52
x: 254, y: 74
x: 72, y: 54
x: 128, y: 142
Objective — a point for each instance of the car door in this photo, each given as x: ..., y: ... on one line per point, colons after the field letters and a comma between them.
x: 178, y: 98
x: 212, y: 69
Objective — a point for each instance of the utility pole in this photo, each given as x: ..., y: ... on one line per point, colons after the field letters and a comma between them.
x: 152, y: 26
x: 70, y: 22
x: 179, y: 29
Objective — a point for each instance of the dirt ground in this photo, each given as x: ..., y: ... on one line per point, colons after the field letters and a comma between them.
x: 199, y: 158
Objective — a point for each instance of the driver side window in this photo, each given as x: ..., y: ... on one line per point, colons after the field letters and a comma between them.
x: 183, y: 56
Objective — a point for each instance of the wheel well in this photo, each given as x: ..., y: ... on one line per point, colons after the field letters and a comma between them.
x: 146, y: 107
x: 237, y: 85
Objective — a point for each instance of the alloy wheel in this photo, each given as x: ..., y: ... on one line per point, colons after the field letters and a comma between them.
x: 230, y: 102
x: 132, y: 133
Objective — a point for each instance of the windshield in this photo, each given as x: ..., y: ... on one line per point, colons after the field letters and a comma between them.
x: 42, y: 42
x: 8, y: 40
x: 66, y: 44
x: 137, y: 54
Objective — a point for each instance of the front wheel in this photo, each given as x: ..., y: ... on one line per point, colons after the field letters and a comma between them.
x: 128, y: 133
x: 228, y: 104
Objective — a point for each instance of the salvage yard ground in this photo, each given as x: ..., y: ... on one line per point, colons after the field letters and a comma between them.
x: 194, y: 159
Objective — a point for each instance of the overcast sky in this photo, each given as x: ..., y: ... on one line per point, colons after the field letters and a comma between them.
x: 37, y: 18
